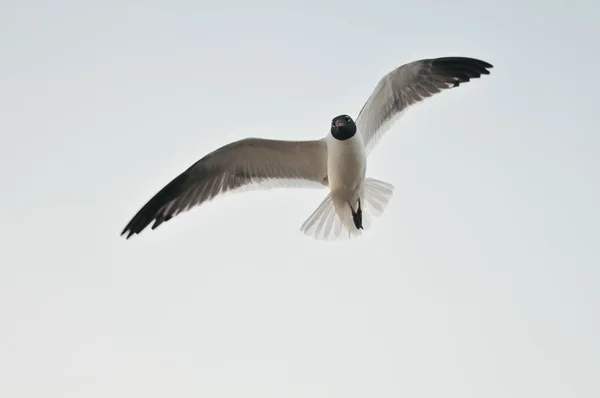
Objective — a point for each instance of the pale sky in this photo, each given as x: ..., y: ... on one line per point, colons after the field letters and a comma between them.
x: 480, y: 279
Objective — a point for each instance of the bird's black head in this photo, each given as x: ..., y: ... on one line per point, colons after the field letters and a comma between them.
x: 343, y: 127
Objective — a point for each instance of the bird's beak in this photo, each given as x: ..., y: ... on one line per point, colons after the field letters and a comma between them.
x: 339, y: 123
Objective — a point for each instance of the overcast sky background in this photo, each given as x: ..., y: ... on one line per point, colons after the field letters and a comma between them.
x: 480, y: 280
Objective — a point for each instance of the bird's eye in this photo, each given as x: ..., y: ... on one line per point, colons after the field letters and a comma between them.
x: 347, y: 118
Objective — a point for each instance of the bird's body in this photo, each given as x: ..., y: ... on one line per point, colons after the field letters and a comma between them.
x: 346, y: 166
x: 346, y: 172
x: 337, y: 161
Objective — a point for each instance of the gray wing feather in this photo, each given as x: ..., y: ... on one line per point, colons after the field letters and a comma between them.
x: 409, y: 84
x: 241, y: 164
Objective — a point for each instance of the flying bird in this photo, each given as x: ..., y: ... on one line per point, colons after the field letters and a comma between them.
x: 337, y: 161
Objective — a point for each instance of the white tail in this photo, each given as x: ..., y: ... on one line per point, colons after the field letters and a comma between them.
x: 332, y: 220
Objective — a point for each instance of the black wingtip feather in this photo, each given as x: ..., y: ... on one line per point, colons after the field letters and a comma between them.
x: 474, y: 62
x: 151, y: 210
x: 460, y: 69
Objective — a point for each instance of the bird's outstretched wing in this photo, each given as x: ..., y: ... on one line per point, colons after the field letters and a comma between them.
x: 247, y: 163
x: 409, y: 84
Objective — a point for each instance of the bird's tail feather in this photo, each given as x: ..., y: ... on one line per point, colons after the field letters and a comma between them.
x: 324, y: 223
x: 333, y: 220
x: 377, y: 195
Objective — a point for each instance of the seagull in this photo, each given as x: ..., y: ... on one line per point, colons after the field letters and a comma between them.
x: 337, y: 161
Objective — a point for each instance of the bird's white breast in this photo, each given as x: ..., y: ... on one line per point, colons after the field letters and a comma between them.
x: 346, y: 166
